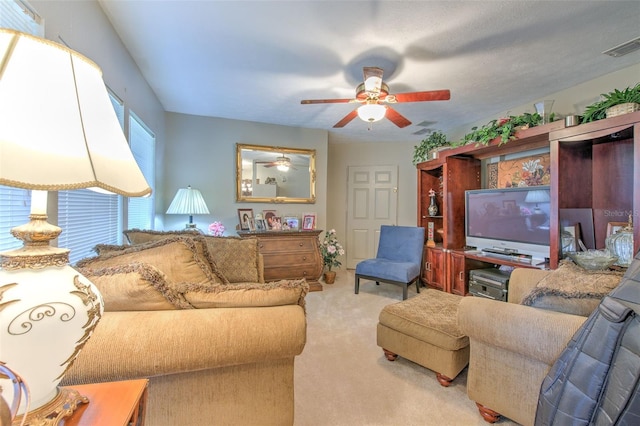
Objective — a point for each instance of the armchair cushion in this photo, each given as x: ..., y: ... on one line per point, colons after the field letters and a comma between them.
x: 135, y: 287
x: 572, y: 289
x: 385, y: 269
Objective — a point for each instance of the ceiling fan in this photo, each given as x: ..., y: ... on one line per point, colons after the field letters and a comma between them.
x: 282, y: 163
x: 373, y: 94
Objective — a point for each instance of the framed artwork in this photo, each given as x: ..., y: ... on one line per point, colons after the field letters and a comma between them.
x: 291, y: 222
x: 261, y: 226
x: 531, y: 171
x: 569, y: 238
x: 268, y: 216
x: 309, y: 221
x: 244, y: 216
x: 252, y: 224
x: 613, y: 227
x: 276, y: 223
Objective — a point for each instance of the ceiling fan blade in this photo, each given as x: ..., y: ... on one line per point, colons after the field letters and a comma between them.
x: 396, y: 118
x: 432, y: 95
x: 347, y: 119
x: 325, y: 101
x: 372, y: 79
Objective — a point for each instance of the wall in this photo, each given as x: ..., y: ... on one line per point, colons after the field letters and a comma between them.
x: 201, y: 152
x: 342, y: 155
x: 571, y: 101
x: 84, y: 28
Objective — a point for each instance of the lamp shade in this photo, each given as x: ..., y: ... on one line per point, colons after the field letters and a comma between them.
x: 59, y: 130
x: 537, y: 196
x: 188, y: 201
x: 372, y: 112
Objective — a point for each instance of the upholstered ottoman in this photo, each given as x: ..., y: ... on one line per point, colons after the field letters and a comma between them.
x: 424, y: 329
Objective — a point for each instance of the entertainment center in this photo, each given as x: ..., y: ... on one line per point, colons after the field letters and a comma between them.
x: 593, y: 167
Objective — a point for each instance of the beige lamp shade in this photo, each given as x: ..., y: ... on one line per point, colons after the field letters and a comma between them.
x: 59, y: 130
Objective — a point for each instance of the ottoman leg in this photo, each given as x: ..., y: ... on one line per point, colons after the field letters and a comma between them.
x: 443, y: 380
x: 488, y: 414
x: 390, y: 355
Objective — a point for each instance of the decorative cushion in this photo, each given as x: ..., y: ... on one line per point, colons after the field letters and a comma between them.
x: 277, y: 293
x: 572, y: 289
x: 177, y: 257
x: 108, y: 248
x: 134, y: 287
x: 236, y: 258
x: 141, y: 236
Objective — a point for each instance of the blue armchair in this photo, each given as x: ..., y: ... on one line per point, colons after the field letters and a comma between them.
x: 398, y: 260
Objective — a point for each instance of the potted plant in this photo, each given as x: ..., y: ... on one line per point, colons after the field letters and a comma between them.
x: 617, y: 98
x: 331, y: 249
x: 432, y: 142
x: 505, y: 128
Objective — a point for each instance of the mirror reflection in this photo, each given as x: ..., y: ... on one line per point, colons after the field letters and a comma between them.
x: 268, y: 174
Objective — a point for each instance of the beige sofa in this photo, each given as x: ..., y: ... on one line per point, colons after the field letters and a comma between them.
x: 216, y: 352
x: 514, y: 346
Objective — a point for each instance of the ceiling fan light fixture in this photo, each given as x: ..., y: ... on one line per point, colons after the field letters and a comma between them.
x: 371, y: 112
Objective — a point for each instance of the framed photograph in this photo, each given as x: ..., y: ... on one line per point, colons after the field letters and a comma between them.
x: 613, y: 227
x: 244, y: 216
x: 309, y: 221
x: 291, y: 222
x: 268, y: 216
x: 252, y: 224
x: 569, y: 238
x: 261, y: 226
x: 276, y: 223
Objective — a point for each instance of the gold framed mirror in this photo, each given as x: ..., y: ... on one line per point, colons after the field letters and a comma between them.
x: 273, y: 174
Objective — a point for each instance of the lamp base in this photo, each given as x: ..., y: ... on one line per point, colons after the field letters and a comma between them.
x: 51, y: 413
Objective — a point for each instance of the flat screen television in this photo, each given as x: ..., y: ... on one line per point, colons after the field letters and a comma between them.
x: 509, y: 219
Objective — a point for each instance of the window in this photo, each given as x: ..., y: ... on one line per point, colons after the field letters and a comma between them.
x: 15, y: 203
x: 140, y: 210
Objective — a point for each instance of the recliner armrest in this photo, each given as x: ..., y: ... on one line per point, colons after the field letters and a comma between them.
x: 534, y: 333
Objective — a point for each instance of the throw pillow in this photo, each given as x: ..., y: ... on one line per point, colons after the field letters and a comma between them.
x: 134, y: 287
x: 141, y: 236
x: 572, y: 289
x: 236, y: 258
x: 108, y: 248
x: 177, y: 257
x: 277, y: 293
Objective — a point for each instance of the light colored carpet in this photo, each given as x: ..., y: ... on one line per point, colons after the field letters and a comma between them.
x: 343, y: 378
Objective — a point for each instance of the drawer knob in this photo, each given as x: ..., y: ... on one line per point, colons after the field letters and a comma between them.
x: 300, y: 244
x: 304, y: 257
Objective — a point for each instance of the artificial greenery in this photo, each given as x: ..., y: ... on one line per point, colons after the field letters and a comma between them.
x: 598, y: 110
x: 504, y: 128
x: 435, y: 140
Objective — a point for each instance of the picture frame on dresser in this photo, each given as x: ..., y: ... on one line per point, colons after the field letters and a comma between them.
x: 245, y: 216
x: 292, y: 222
x: 309, y: 221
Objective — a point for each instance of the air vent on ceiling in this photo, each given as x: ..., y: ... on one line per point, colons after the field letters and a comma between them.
x: 624, y: 48
x: 423, y: 131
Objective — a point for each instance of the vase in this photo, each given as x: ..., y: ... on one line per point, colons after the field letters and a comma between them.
x: 330, y: 277
x: 433, y: 207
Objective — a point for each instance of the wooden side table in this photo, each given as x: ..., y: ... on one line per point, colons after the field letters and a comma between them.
x: 111, y: 404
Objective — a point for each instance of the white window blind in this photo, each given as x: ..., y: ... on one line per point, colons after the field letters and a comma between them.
x: 143, y: 145
x: 15, y: 203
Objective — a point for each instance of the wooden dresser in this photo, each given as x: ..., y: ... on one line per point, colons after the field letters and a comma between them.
x: 290, y: 255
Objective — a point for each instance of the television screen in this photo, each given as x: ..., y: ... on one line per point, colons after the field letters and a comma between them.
x: 511, y: 218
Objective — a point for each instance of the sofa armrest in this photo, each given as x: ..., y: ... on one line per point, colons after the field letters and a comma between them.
x: 534, y: 333
x: 135, y: 344
x: 522, y: 281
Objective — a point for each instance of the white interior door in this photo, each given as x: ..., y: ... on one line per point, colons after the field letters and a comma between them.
x: 372, y: 201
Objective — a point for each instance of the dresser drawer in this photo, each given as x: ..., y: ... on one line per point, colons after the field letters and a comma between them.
x: 288, y: 259
x: 286, y: 245
x: 294, y: 272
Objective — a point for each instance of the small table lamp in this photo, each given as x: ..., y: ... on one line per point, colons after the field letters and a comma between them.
x: 188, y: 201
x: 59, y: 132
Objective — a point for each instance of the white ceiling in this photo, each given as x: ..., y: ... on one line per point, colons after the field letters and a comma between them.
x: 256, y: 60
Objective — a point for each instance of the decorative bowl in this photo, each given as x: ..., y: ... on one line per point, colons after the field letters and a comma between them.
x: 595, y: 260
